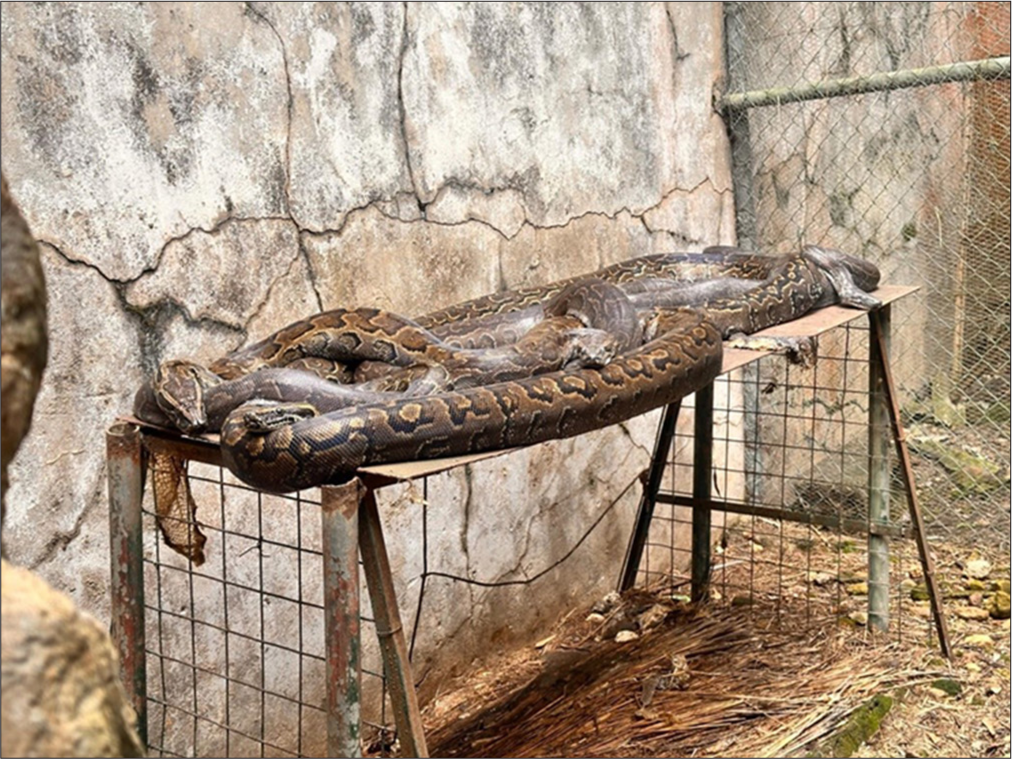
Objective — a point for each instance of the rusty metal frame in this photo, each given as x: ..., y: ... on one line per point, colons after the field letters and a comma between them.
x: 350, y: 524
x: 884, y: 423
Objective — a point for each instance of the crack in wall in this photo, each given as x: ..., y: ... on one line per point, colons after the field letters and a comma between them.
x: 61, y: 539
x: 257, y: 13
x: 259, y: 307
x: 402, y: 106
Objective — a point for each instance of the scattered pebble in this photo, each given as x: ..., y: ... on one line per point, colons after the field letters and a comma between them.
x: 978, y: 569
x: 980, y: 640
x: 970, y: 612
x: 821, y: 579
x: 999, y: 606
x: 858, y: 617
x: 595, y: 618
x: 607, y: 603
x: 651, y: 617
x: 858, y: 589
x: 625, y: 636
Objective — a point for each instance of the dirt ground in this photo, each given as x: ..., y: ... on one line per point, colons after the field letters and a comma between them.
x: 779, y: 662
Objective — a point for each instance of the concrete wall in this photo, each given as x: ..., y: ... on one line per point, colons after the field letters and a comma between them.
x: 200, y: 175
x: 879, y: 175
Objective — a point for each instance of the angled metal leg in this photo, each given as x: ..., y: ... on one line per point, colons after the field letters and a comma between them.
x: 702, y: 475
x: 899, y: 437
x: 645, y: 512
x: 390, y: 631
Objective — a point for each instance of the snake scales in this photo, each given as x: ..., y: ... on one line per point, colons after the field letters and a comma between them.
x: 348, y: 388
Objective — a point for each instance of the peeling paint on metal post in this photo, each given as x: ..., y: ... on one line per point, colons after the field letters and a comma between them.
x: 125, y: 459
x: 878, y: 477
x: 339, y: 512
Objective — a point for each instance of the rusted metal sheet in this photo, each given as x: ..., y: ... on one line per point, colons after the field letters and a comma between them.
x: 396, y: 661
x: 339, y: 511
x: 125, y: 461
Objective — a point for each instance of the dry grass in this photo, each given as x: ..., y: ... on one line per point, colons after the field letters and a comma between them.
x: 743, y: 693
x: 771, y: 679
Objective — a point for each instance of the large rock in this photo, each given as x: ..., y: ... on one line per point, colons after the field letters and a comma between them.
x: 62, y: 693
x: 25, y: 342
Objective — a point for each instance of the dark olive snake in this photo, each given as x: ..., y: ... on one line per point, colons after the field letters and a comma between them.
x: 348, y: 388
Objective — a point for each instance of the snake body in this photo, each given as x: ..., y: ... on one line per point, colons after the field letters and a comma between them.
x: 509, y: 369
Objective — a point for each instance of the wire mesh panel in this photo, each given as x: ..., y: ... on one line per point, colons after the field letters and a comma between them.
x: 791, y: 466
x: 235, y: 647
x: 914, y: 178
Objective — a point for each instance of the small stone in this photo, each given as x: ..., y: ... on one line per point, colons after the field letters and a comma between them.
x: 849, y: 578
x: 859, y: 618
x: 858, y: 589
x: 980, y: 640
x: 595, y: 618
x: 976, y: 599
x: 821, y: 579
x: 620, y: 621
x: 607, y: 603
x: 625, y: 636
x: 978, y: 569
x: 651, y: 617
x: 999, y: 606
x: 970, y: 612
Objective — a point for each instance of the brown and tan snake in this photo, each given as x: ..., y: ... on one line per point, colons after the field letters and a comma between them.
x: 509, y: 369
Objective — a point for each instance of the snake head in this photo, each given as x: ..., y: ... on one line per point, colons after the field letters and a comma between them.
x: 266, y: 416
x: 179, y: 392
x: 591, y: 348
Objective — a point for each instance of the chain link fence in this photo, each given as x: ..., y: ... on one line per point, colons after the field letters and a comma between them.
x: 882, y: 129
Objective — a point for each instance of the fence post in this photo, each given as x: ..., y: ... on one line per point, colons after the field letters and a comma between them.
x: 125, y: 462
x: 339, y: 512
x: 878, y: 475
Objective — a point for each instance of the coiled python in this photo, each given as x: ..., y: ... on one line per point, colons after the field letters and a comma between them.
x: 509, y: 369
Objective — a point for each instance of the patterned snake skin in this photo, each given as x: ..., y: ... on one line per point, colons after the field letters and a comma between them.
x: 513, y: 368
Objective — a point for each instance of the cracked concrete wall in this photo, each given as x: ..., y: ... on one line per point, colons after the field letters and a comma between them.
x: 879, y: 176
x: 201, y: 174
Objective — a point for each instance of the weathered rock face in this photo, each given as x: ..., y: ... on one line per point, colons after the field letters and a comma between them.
x: 202, y: 175
x: 25, y: 343
x: 62, y: 692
